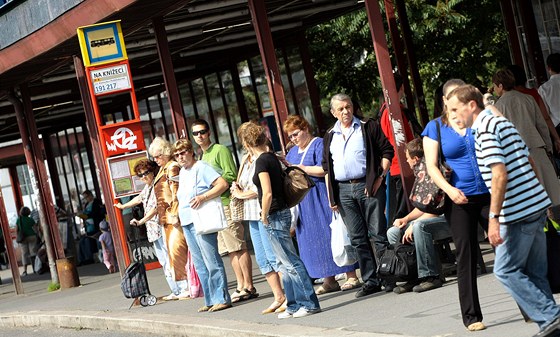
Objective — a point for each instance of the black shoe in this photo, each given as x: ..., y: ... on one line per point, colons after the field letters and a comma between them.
x: 428, y: 283
x: 406, y: 287
x: 389, y: 286
x: 365, y: 291
x: 551, y: 330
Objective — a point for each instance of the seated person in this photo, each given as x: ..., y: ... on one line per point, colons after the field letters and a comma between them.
x: 420, y: 229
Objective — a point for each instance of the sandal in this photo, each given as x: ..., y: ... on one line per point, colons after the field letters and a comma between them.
x: 247, y: 294
x: 236, y: 296
x: 273, y: 307
x: 326, y: 288
x: 351, y: 283
x: 283, y: 307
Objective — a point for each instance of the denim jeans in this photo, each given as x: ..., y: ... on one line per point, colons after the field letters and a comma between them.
x: 297, y: 284
x: 208, y: 264
x: 364, y: 218
x: 263, y: 247
x: 424, y: 232
x: 521, y: 266
x: 176, y: 287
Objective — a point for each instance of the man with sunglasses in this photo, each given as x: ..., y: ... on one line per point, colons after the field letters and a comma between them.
x: 232, y: 239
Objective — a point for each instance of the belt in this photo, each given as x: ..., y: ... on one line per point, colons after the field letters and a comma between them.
x: 353, y: 181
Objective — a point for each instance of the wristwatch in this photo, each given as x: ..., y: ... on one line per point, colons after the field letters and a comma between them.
x: 492, y: 215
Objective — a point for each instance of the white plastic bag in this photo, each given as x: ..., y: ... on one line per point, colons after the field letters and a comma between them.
x: 343, y: 252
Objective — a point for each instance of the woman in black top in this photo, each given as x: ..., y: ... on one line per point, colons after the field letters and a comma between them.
x: 276, y: 217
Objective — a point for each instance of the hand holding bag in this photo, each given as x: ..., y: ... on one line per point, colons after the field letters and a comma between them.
x: 343, y: 252
x: 209, y: 217
x: 425, y: 194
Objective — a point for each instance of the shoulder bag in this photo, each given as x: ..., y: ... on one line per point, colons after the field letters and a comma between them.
x: 209, y: 217
x: 296, y: 182
x: 425, y: 194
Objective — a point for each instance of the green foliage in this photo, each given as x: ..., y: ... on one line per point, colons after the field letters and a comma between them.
x: 452, y: 39
x: 53, y: 287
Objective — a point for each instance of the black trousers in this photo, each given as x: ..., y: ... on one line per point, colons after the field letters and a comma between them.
x: 463, y: 221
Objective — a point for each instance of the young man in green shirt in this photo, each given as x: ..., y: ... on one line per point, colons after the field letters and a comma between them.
x: 232, y: 239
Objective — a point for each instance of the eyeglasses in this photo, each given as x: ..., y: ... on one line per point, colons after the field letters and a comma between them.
x: 182, y: 153
x: 158, y: 156
x: 295, y: 134
x: 200, y: 132
x: 142, y: 175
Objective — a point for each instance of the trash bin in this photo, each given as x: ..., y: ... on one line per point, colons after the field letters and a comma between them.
x: 67, y: 273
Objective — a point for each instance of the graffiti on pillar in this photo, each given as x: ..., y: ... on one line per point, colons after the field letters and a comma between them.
x: 122, y: 139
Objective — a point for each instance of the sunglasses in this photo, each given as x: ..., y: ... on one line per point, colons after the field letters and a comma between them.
x: 142, y: 175
x: 201, y: 132
x: 182, y: 153
x: 294, y: 135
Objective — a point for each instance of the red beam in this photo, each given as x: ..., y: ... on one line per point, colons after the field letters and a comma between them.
x: 9, y: 246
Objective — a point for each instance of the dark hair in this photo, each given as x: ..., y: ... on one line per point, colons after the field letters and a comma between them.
x: 87, y: 193
x: 553, y: 61
x: 518, y: 73
x: 24, y: 211
x: 467, y: 93
x: 201, y: 121
x: 145, y: 165
x: 415, y: 148
x: 505, y: 78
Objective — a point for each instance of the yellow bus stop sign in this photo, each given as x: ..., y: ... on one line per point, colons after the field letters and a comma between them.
x: 102, y: 43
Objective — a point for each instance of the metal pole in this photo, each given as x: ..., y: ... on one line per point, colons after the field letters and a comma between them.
x: 10, y: 246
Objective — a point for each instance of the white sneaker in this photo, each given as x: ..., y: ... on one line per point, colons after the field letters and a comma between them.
x: 302, y: 312
x: 170, y: 297
x: 285, y: 314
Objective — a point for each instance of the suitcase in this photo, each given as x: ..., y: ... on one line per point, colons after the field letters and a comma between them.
x: 134, y: 283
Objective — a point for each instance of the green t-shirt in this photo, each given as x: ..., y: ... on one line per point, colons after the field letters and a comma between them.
x: 221, y: 159
x: 26, y: 224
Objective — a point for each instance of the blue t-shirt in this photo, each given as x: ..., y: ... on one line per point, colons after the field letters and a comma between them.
x: 460, y: 155
x: 200, y: 175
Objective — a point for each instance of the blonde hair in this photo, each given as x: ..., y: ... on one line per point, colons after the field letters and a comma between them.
x: 252, y: 134
x: 162, y: 146
x: 183, y: 144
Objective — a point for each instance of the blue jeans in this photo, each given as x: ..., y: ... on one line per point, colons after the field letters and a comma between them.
x: 424, y: 232
x: 176, y: 287
x: 364, y: 218
x: 263, y: 248
x: 297, y: 284
x: 521, y: 266
x: 208, y: 264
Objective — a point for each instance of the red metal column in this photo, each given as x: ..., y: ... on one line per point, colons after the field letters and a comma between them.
x: 32, y: 152
x: 169, y: 78
x: 398, y: 47
x: 412, y: 62
x: 270, y: 65
x: 533, y: 42
x: 391, y: 96
x: 9, y: 246
x: 511, y: 27
x: 16, y: 187
x: 311, y: 84
x: 116, y: 234
x: 46, y: 203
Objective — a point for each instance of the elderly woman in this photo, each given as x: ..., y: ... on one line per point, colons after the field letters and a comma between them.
x: 314, y: 233
x: 165, y: 190
x: 246, y: 190
x: 198, y: 183
x: 276, y: 218
x: 146, y: 170
x: 27, y: 226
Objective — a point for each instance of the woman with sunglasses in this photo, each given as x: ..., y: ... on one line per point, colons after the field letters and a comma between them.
x: 198, y: 183
x: 146, y: 170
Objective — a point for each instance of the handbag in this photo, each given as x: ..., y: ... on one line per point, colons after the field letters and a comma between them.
x: 397, y: 262
x: 19, y: 237
x: 236, y: 205
x: 425, y: 194
x: 209, y: 217
x: 296, y: 182
x: 343, y: 252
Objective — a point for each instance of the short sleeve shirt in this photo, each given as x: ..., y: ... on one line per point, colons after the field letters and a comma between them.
x: 192, y: 182
x: 267, y: 162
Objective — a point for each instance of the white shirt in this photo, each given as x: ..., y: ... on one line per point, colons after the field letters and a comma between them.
x: 550, y: 93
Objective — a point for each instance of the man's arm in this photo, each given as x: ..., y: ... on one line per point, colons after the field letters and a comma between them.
x: 227, y: 165
x: 497, y: 192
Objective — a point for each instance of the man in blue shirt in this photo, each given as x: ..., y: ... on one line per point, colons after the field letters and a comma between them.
x: 356, y: 157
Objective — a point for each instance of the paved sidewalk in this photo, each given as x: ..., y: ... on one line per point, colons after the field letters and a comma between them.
x: 99, y: 304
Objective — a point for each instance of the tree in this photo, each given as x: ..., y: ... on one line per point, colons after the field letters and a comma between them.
x: 452, y: 39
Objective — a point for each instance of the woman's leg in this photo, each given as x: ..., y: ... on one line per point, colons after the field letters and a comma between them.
x: 217, y: 279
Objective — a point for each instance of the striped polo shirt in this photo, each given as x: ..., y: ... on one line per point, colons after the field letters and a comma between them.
x: 497, y: 141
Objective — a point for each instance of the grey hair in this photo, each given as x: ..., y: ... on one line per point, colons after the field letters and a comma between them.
x: 340, y: 97
x: 162, y: 146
